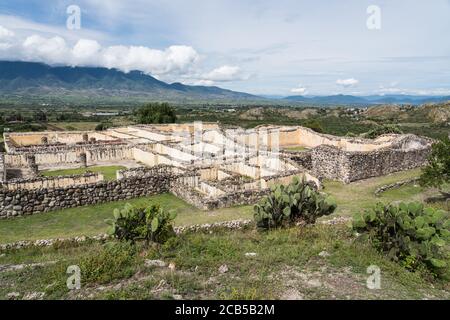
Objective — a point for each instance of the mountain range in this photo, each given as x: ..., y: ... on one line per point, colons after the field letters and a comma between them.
x: 33, y: 81
x: 40, y: 80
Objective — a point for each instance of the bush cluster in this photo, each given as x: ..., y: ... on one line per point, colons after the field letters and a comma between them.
x: 152, y: 224
x: 298, y: 202
x: 408, y: 233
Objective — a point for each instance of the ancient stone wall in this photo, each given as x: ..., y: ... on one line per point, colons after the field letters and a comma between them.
x: 52, y: 182
x: 2, y: 167
x: 329, y: 162
x: 27, y: 202
x: 58, y: 155
x: 239, y: 198
x: 333, y: 163
x: 302, y: 158
x: 380, y: 163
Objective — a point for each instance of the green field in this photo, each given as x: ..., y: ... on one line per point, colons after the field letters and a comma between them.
x: 74, y: 126
x: 287, y: 265
x: 109, y: 172
x: 90, y: 220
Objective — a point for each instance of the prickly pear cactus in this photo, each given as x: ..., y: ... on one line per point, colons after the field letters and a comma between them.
x: 148, y: 224
x: 286, y: 205
x: 409, y: 233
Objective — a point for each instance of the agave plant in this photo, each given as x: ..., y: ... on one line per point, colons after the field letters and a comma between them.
x: 296, y: 202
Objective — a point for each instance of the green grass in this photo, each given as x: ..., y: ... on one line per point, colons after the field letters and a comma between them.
x: 360, y: 195
x: 109, y: 172
x: 75, y: 126
x: 90, y: 220
x: 287, y: 265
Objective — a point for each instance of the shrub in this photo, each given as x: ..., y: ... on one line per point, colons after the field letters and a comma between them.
x: 437, y: 172
x: 109, y: 262
x: 102, y: 126
x: 379, y: 131
x: 156, y: 113
x: 150, y: 224
x: 314, y: 125
x: 408, y: 233
x: 298, y: 202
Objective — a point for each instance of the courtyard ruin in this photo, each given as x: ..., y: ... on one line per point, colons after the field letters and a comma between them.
x: 205, y: 164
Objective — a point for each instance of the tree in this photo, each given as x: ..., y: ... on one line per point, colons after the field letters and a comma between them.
x: 40, y: 116
x: 437, y: 172
x: 314, y: 125
x: 103, y: 126
x: 156, y: 113
x: 384, y: 129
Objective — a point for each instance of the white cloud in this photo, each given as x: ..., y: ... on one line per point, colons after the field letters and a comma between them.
x: 52, y: 50
x: 203, y: 83
x: 175, y: 59
x: 86, y: 51
x: 55, y: 50
x: 5, y: 33
x: 224, y: 73
x: 299, y: 90
x: 346, y: 83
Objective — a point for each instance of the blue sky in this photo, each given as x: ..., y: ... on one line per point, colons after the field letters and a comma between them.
x: 282, y: 47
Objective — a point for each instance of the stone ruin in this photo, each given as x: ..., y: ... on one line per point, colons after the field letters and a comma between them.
x: 203, y: 163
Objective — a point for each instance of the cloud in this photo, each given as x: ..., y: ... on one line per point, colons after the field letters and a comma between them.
x: 5, y: 37
x: 299, y: 90
x: 224, y: 73
x: 5, y: 33
x: 207, y: 83
x: 52, y: 50
x: 86, y: 50
x: 347, y: 83
x: 175, y: 59
x: 55, y: 50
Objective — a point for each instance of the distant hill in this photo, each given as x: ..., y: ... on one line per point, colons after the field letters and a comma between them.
x: 37, y: 82
x: 31, y: 79
x: 367, y: 100
x: 336, y: 99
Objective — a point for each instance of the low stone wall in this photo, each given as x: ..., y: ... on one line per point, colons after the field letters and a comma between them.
x: 2, y: 167
x: 239, y: 198
x: 303, y: 159
x: 27, y: 202
x: 395, y: 185
x: 383, y: 162
x: 207, y: 227
x: 190, y: 195
x: 70, y: 154
x: 52, y: 182
x: 333, y: 163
